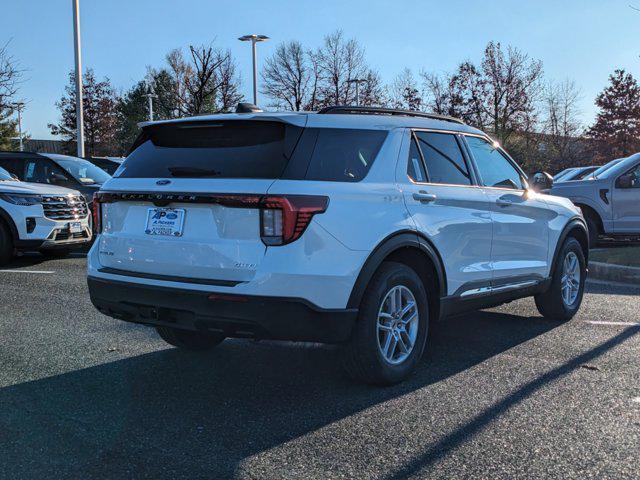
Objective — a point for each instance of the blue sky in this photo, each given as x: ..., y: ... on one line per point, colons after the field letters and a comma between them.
x: 581, y: 40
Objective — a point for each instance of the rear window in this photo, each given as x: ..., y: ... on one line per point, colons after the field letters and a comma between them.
x: 252, y: 149
x: 238, y: 149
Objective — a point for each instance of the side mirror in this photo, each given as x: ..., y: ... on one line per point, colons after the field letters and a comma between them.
x: 542, y: 181
x: 626, y: 181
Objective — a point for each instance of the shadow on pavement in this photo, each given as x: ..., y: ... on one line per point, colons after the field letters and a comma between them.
x: 173, y: 414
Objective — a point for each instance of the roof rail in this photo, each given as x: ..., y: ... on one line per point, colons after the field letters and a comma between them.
x: 344, y: 109
x: 18, y: 152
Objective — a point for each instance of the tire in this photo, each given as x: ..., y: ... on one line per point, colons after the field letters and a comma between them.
x: 592, y: 227
x: 56, y: 252
x: 6, y: 245
x: 552, y: 304
x: 189, y: 340
x: 363, y: 357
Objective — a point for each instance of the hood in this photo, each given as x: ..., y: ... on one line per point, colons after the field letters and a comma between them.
x: 575, y: 187
x: 35, y: 188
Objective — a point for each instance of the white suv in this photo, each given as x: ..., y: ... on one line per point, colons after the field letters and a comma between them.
x: 40, y: 217
x: 356, y: 226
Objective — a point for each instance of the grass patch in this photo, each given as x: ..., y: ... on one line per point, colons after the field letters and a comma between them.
x: 627, y: 256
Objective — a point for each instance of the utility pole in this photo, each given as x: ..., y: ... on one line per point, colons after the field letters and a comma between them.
x: 357, y: 81
x: 18, y: 106
x: 253, y: 38
x: 78, y: 58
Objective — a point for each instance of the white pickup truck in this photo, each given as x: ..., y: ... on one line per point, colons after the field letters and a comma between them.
x: 609, y: 199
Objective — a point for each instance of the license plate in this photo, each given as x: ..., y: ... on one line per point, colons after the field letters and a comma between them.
x: 165, y: 221
x: 75, y: 227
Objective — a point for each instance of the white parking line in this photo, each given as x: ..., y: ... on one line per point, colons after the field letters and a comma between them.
x: 627, y: 324
x: 27, y: 271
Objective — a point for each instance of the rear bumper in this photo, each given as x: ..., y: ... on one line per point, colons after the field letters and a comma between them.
x: 233, y: 315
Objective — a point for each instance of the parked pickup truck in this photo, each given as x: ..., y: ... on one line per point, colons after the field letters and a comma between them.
x: 609, y: 199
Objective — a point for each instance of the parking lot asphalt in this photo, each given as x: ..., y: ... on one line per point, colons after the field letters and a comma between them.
x: 501, y: 393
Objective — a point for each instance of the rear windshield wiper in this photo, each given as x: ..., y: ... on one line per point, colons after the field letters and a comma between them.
x: 193, y: 172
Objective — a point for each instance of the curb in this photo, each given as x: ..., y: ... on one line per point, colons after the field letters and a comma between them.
x: 614, y: 273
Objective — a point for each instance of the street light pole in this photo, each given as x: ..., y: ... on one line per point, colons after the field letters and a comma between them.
x: 357, y: 81
x: 78, y: 58
x: 18, y: 106
x: 253, y: 38
x: 151, y: 95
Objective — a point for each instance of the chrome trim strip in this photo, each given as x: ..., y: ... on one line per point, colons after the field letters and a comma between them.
x: 500, y: 288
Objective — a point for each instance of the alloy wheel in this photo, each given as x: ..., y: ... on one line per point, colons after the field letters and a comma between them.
x: 397, y: 325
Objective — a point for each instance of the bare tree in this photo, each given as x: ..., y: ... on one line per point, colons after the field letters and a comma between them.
x: 372, y: 91
x: 562, y: 124
x: 287, y: 76
x: 314, y: 84
x: 339, y: 60
x: 512, y: 84
x: 10, y: 76
x: 460, y: 94
x: 405, y: 93
x: 206, y: 83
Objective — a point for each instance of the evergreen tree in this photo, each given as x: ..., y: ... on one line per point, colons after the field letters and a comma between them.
x: 617, y: 126
x: 8, y: 130
x: 100, y: 105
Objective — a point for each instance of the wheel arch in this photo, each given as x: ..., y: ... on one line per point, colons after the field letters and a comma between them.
x: 589, y: 211
x: 5, y: 218
x: 406, y: 247
x: 576, y: 228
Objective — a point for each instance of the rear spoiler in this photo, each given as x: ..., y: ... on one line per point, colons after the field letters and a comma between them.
x: 295, y: 119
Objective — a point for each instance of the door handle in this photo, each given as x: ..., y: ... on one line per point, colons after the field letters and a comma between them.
x: 424, y: 197
x: 503, y: 202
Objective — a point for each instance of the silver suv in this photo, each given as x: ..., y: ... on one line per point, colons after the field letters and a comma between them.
x: 609, y: 199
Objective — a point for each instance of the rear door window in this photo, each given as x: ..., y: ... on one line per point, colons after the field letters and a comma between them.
x: 415, y: 167
x: 443, y: 159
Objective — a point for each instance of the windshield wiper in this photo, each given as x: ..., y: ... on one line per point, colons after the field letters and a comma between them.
x: 193, y: 172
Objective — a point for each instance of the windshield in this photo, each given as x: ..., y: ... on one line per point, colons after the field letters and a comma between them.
x: 606, y: 167
x: 585, y: 173
x: 563, y: 173
x: 5, y: 176
x: 83, y: 171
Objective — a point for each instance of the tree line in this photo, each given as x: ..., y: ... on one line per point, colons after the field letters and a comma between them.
x: 505, y: 94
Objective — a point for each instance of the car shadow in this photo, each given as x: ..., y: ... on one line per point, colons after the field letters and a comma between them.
x: 175, y: 414
x: 33, y: 259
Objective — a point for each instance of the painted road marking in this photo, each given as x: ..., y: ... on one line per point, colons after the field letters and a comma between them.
x: 624, y: 324
x: 27, y: 271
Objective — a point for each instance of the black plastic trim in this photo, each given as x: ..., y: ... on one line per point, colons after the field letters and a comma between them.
x: 575, y: 222
x: 345, y: 109
x: 231, y: 315
x: 169, y: 278
x: 395, y: 241
x: 11, y: 224
x: 454, y: 304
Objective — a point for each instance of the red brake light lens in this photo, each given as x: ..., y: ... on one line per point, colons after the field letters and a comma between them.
x: 96, y: 214
x: 284, y: 218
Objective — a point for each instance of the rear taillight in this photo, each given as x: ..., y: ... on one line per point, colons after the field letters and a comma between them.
x: 284, y: 218
x: 96, y: 214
